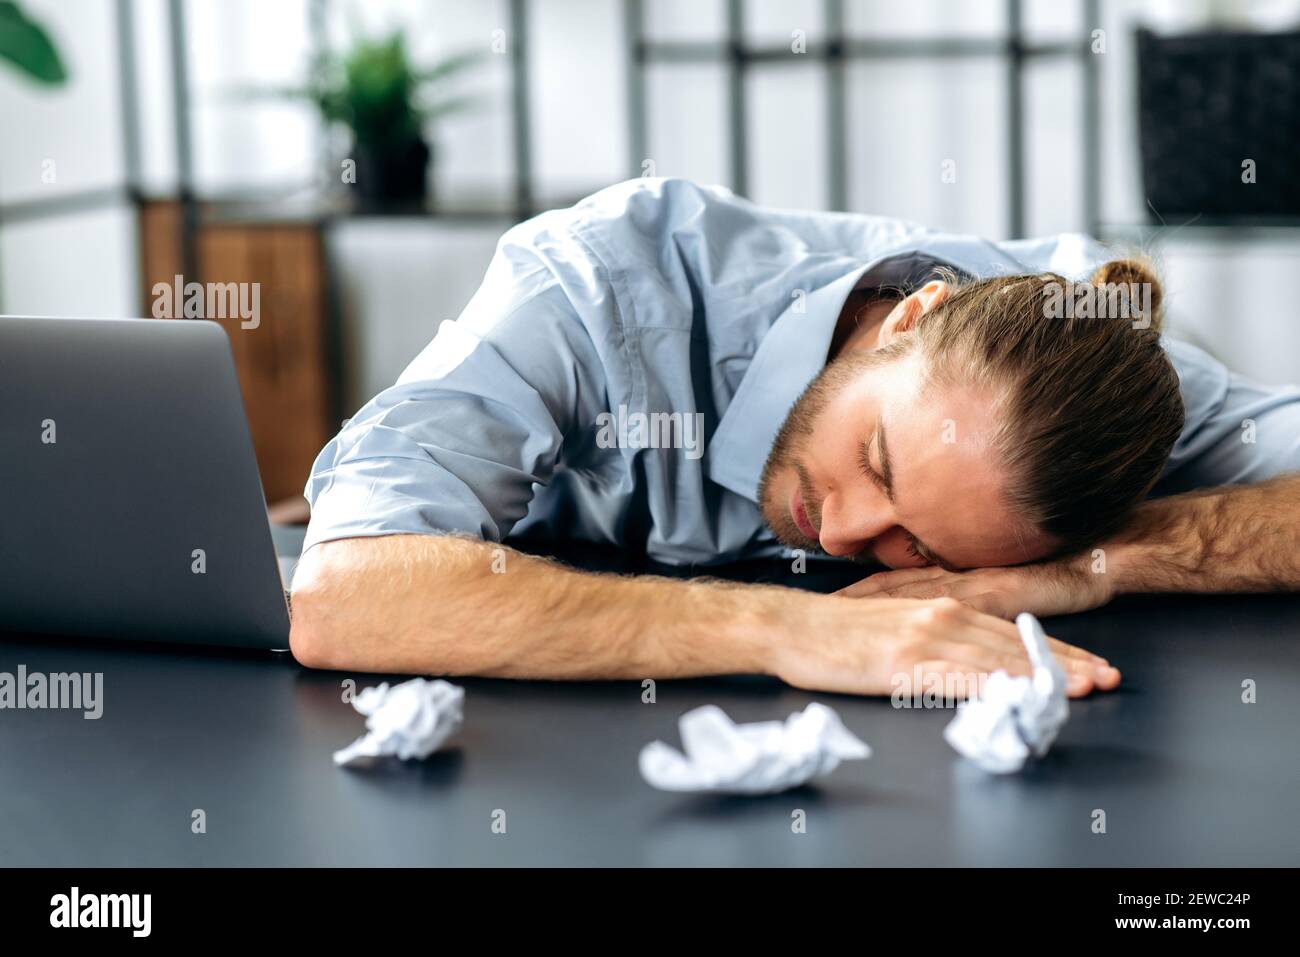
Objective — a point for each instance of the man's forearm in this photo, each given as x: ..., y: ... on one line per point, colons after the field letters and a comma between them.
x: 1232, y: 539
x: 445, y: 605
x: 442, y: 605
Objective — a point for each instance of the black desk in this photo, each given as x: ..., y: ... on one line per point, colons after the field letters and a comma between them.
x: 1186, y: 773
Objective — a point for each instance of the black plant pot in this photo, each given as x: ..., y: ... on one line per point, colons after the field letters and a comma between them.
x: 393, y: 175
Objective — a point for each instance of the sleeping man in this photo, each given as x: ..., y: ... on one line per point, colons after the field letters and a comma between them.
x: 674, y: 371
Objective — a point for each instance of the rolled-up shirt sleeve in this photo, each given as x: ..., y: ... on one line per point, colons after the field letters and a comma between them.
x: 1236, y: 432
x: 475, y: 423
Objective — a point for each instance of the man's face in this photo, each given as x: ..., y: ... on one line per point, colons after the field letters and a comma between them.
x: 871, y: 465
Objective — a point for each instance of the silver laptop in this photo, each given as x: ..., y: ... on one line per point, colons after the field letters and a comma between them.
x: 130, y: 503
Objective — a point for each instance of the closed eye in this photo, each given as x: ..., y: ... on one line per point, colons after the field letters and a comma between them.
x: 882, y: 482
x: 864, y: 461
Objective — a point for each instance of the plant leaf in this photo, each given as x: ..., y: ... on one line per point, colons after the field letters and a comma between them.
x: 26, y: 45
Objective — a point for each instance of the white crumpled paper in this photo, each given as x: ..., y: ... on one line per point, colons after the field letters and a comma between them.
x: 408, y: 720
x: 1014, y: 716
x: 760, y: 758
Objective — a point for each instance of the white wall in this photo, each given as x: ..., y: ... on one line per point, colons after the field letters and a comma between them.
x: 83, y: 264
x: 397, y: 282
x: 76, y: 128
x: 58, y: 143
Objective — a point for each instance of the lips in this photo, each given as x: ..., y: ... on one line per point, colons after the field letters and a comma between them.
x: 800, y: 515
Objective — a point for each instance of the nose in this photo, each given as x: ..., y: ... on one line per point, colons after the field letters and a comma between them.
x: 849, y: 524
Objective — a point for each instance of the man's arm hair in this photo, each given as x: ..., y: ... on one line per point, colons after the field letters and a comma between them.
x: 1230, y: 539
x: 453, y: 605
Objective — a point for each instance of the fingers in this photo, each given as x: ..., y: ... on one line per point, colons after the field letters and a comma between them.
x: 883, y: 581
x: 1080, y: 663
x: 967, y: 670
x: 1007, y: 633
x: 988, y: 644
x: 1084, y: 671
x: 969, y: 589
x: 964, y: 677
x: 1109, y: 679
x: 1061, y: 650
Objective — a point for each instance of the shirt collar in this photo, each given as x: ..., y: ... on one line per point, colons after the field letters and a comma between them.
x: 794, y: 350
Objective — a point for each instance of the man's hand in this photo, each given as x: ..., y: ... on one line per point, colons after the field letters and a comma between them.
x: 878, y: 646
x: 1057, y: 587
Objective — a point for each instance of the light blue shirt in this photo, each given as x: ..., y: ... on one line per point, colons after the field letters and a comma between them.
x: 565, y: 400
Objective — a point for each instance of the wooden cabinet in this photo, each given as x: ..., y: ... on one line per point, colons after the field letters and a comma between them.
x: 284, y: 360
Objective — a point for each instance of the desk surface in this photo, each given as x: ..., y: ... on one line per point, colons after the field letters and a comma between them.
x: 1186, y: 773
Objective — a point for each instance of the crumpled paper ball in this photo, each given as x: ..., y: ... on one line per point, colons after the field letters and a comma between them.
x: 761, y: 758
x: 409, y: 720
x: 1014, y: 717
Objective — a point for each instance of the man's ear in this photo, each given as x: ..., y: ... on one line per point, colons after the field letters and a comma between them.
x: 906, y: 313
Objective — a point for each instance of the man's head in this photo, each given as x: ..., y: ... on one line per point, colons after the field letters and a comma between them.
x: 991, y: 423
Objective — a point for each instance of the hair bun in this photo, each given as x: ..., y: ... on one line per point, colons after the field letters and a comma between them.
x: 1134, y: 272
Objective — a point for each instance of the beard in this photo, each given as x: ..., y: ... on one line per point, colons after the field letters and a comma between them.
x: 795, y: 434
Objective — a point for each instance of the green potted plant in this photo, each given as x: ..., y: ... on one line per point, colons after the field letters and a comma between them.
x: 26, y: 45
x: 388, y: 104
